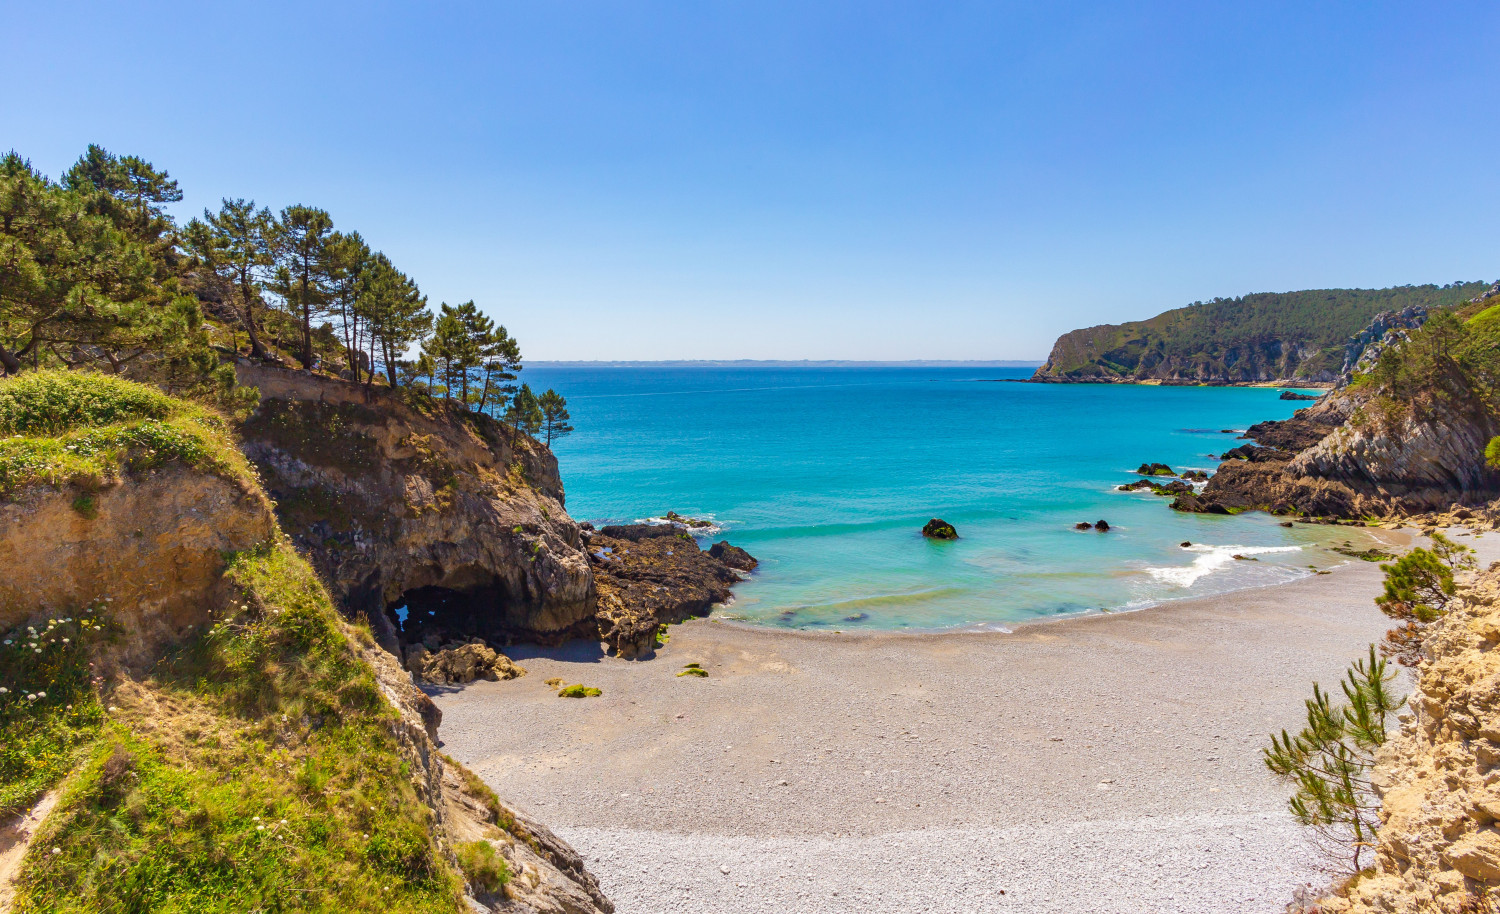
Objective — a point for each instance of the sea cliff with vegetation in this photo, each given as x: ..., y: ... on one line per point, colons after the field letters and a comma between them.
x: 1306, y: 337
x: 254, y: 494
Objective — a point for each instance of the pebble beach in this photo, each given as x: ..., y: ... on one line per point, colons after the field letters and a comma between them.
x: 1106, y: 763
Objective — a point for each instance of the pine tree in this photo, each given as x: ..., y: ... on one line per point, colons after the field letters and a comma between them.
x: 501, y: 360
x: 302, y: 235
x: 524, y: 413
x: 1329, y: 762
x: 1419, y: 590
x: 77, y: 289
x: 395, y: 311
x: 235, y: 243
x: 554, y: 415
x: 348, y: 257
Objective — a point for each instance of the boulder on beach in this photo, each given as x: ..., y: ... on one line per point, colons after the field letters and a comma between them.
x: 939, y: 529
x: 458, y: 664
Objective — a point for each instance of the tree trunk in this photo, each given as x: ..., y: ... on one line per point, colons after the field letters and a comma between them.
x: 9, y: 361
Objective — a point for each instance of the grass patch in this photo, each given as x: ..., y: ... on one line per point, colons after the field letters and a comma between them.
x: 579, y: 690
x: 693, y: 669
x: 260, y: 773
x: 486, y: 870
x: 59, y: 427
x: 49, y: 712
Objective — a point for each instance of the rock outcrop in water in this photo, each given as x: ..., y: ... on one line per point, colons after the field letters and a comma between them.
x: 654, y: 575
x: 938, y: 529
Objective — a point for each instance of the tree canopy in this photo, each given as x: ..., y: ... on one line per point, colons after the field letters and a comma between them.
x: 96, y: 273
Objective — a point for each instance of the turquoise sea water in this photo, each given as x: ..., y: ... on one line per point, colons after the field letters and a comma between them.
x: 827, y: 476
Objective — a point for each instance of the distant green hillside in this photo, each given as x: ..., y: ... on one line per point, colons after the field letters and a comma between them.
x: 1267, y: 336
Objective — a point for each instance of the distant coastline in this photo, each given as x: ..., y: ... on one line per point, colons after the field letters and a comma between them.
x: 790, y: 363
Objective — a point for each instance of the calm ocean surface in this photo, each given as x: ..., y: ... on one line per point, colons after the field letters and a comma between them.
x: 827, y: 475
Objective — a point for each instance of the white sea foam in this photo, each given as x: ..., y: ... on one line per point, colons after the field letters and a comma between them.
x: 1209, y: 560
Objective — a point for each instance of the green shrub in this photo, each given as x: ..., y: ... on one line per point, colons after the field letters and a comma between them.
x: 1492, y: 453
x: 579, y: 690
x: 486, y: 870
x: 60, y: 427
x: 53, y: 402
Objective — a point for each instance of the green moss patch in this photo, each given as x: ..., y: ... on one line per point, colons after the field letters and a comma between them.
x: 579, y: 690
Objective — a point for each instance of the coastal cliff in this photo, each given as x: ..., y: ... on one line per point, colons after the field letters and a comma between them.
x: 1439, y: 843
x: 190, y: 723
x: 1405, y: 435
x: 419, y: 503
x: 1290, y: 337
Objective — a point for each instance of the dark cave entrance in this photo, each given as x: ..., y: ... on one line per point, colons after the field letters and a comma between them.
x: 438, y: 615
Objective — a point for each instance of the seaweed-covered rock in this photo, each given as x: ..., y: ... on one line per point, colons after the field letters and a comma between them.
x: 733, y: 556
x: 646, y: 582
x: 938, y: 529
x: 1155, y: 469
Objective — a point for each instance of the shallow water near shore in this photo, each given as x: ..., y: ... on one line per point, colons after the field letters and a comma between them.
x: 827, y: 476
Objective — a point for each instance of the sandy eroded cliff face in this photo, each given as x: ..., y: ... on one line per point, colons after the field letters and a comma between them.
x: 1439, y: 777
x: 424, y: 506
x: 154, y: 542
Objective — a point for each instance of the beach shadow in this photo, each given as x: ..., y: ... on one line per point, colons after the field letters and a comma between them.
x: 580, y: 651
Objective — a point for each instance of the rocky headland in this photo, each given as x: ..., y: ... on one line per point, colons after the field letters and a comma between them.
x: 421, y: 509
x: 1288, y: 338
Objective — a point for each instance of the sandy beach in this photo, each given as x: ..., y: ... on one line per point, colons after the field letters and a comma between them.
x: 1107, y: 763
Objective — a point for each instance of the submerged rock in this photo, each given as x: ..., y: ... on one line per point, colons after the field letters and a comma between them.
x: 1102, y: 526
x: 939, y: 529
x: 1083, y: 525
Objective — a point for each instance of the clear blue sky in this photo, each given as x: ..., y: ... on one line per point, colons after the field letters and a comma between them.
x: 809, y: 179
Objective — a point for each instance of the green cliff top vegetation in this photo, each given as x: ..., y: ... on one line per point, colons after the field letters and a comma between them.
x: 61, y: 427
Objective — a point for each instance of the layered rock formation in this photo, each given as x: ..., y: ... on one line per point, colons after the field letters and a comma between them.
x: 1439, y: 777
x: 438, y: 506
x: 1340, y: 458
x: 168, y: 529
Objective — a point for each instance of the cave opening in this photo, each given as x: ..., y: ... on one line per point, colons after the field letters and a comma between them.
x: 438, y: 615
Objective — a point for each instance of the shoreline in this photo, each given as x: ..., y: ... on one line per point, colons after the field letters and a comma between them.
x: 882, y: 771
